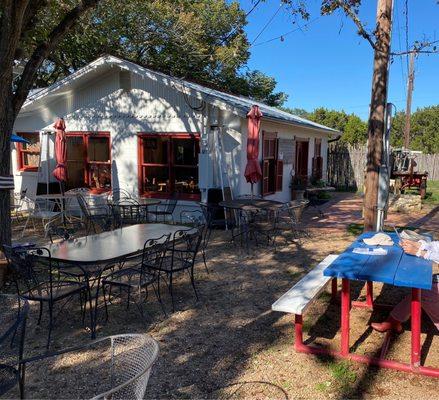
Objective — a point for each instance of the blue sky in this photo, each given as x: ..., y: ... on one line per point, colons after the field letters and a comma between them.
x: 327, y: 64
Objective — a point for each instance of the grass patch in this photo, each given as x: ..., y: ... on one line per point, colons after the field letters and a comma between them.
x: 355, y: 229
x: 432, y: 195
x: 342, y: 373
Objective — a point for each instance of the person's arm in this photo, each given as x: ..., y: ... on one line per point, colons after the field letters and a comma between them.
x: 429, y: 250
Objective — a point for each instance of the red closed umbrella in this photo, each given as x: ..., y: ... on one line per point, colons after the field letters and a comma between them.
x: 253, y: 173
x: 60, y: 171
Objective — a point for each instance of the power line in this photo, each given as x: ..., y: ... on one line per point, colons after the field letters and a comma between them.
x: 398, y: 27
x: 407, y: 32
x: 286, y: 33
x: 267, y: 24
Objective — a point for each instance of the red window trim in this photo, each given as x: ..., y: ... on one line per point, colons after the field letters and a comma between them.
x: 21, y: 151
x: 278, y: 165
x: 86, y: 135
x: 171, y: 135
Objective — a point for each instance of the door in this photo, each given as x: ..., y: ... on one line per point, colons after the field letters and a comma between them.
x: 76, y: 154
x: 302, y: 160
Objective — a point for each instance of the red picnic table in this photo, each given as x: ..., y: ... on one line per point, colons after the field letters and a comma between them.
x: 356, y: 263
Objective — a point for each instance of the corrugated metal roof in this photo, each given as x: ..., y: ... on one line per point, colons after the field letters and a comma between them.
x: 240, y: 103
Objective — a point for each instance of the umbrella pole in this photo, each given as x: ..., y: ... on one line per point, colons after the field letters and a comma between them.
x: 251, y: 191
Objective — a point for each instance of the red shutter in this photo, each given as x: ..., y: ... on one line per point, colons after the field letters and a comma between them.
x: 279, y: 175
x: 265, y: 176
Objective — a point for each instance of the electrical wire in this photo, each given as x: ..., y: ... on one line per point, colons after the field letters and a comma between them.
x: 407, y: 33
x: 286, y: 33
x: 267, y: 24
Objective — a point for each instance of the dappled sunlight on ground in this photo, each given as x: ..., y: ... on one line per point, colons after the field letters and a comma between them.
x: 230, y: 344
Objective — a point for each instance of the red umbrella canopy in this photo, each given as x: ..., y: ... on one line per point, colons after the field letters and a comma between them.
x: 253, y: 172
x: 60, y: 171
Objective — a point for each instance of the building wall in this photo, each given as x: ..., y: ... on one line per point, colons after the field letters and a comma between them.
x: 126, y: 105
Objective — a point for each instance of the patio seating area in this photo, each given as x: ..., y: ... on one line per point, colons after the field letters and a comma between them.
x: 206, y: 300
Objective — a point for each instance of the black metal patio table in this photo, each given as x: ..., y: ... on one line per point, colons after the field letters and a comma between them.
x: 94, y: 254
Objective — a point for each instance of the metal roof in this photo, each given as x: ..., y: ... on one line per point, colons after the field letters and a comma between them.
x: 239, y: 103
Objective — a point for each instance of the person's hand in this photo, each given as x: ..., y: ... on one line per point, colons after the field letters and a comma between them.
x: 410, y: 246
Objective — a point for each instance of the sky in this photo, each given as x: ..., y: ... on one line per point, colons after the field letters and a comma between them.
x: 325, y: 63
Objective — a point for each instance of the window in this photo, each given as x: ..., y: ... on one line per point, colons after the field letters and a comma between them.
x: 89, y: 160
x: 29, y: 153
x: 317, y: 161
x: 272, y: 167
x: 168, y: 164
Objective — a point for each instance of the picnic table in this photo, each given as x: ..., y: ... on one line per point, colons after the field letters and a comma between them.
x: 94, y: 254
x: 395, y: 268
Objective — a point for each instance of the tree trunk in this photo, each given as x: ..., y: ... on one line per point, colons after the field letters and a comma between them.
x: 6, y: 126
x: 376, y: 125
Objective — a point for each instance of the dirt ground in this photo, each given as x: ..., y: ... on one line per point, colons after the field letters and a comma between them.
x: 231, y: 345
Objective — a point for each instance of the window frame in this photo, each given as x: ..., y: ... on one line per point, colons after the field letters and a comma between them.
x: 86, y: 159
x: 170, y: 164
x: 21, y: 151
x: 270, y: 156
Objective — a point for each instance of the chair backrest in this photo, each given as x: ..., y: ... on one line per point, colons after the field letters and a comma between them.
x: 13, y: 315
x: 83, y: 205
x: 132, y: 358
x: 30, y: 267
x: 153, y: 253
x: 119, y: 194
x: 187, y: 243
x: 297, y: 207
x: 171, y: 204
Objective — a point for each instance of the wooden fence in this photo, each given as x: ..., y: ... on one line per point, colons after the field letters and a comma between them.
x: 346, y: 166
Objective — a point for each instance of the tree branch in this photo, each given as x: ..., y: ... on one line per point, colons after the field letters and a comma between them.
x: 43, y: 49
x: 353, y: 16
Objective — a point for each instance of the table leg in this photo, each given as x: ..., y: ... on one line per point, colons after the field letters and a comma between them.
x: 416, y: 328
x: 369, y: 293
x: 345, y: 310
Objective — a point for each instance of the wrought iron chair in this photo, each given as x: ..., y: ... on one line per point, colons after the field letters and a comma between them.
x: 13, y: 315
x: 183, y: 252
x: 118, y: 194
x: 64, y: 230
x: 290, y: 219
x: 40, y: 281
x: 95, y: 216
x: 166, y: 210
x: 17, y: 203
x: 40, y: 210
x: 139, y: 277
x: 197, y: 219
x: 126, y: 212
x: 117, y: 367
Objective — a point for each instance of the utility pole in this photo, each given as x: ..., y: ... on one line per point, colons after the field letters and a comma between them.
x: 378, y: 102
x: 408, y: 109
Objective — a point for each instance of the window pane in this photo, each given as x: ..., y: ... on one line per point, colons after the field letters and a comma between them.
x: 185, y: 151
x: 186, y: 180
x: 99, y: 149
x: 30, y: 159
x: 75, y: 162
x: 156, y: 179
x: 34, y: 139
x: 155, y: 150
x: 100, y: 176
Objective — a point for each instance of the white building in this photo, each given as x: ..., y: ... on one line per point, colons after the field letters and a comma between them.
x: 151, y: 134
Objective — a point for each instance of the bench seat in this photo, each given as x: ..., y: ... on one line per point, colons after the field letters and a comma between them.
x: 300, y: 296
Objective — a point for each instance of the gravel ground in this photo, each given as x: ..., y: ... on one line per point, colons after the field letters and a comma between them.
x: 230, y: 344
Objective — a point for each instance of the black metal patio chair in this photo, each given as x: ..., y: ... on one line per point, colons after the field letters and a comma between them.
x: 126, y: 211
x: 197, y: 219
x: 165, y: 210
x: 113, y: 367
x: 40, y: 281
x: 180, y: 257
x: 95, y: 216
x: 13, y: 315
x: 139, y: 277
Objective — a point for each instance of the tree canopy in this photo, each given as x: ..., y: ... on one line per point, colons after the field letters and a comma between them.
x: 202, y: 40
x: 424, y: 132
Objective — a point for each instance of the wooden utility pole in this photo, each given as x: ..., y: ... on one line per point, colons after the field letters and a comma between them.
x: 408, y: 109
x: 378, y: 101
